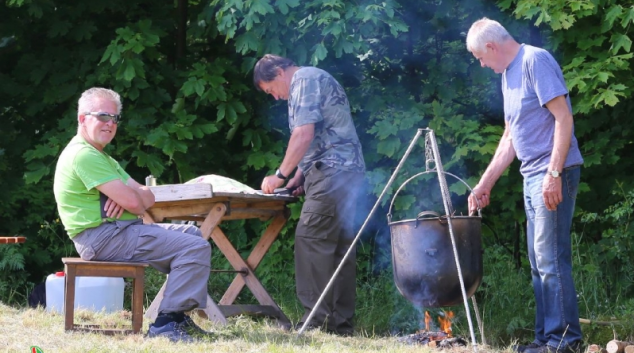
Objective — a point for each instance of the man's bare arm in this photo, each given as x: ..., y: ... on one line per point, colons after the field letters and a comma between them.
x: 133, y: 197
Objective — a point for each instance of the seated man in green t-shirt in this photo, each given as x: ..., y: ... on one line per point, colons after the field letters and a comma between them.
x: 100, y: 204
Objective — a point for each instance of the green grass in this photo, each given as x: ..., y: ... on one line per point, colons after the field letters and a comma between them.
x: 23, y: 328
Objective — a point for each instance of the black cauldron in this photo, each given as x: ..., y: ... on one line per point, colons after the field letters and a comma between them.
x: 425, y: 270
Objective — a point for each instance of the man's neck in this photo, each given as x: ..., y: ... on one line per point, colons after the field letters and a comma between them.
x: 92, y: 143
x: 510, y: 49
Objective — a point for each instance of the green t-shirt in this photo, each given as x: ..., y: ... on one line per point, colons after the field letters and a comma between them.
x: 80, y: 169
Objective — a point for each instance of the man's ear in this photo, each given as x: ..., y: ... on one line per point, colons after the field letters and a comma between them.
x: 81, y: 118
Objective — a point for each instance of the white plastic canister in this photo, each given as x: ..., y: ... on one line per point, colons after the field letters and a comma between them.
x: 92, y: 293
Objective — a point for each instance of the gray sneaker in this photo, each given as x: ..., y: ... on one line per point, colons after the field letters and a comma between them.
x: 175, y: 331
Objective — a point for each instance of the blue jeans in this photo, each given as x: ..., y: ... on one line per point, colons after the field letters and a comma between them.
x: 550, y: 255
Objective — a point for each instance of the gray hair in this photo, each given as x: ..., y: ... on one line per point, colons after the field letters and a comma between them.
x: 266, y: 68
x: 485, y: 31
x: 87, y: 99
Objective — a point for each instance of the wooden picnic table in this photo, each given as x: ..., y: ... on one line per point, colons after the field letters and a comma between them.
x: 198, y: 202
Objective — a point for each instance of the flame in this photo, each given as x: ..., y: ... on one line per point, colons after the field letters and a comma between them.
x: 445, y: 322
x: 427, y: 321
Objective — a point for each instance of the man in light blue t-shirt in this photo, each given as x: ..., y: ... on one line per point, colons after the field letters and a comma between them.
x: 539, y: 131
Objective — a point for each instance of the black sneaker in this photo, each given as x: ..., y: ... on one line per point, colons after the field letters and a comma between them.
x: 193, y: 329
x: 521, y: 348
x: 309, y: 327
x: 572, y: 348
x: 175, y: 331
x: 343, y: 332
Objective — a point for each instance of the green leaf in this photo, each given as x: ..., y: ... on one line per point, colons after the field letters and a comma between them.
x: 389, y: 146
x: 171, y: 146
x: 129, y: 72
x: 222, y: 108
x: 628, y: 17
x: 36, y: 172
x: 610, y: 16
x: 247, y: 42
x: 178, y: 105
x: 262, y: 7
x: 320, y: 53
x: 189, y: 87
x: 238, y: 107
x: 620, y: 41
x: 209, y: 128
x: 200, y: 87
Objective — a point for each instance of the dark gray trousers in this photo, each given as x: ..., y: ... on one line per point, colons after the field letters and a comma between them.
x: 174, y: 249
x: 324, y: 234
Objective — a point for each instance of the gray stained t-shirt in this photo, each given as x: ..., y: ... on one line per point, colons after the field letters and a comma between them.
x: 531, y: 80
x: 317, y: 98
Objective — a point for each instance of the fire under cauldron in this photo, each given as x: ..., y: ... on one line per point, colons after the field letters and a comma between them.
x: 423, y: 259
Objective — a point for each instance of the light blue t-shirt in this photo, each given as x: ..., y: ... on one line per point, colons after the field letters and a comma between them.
x: 531, y: 80
x: 315, y: 97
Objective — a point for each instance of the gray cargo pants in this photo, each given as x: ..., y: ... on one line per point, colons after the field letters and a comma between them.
x: 324, y: 234
x: 174, y: 249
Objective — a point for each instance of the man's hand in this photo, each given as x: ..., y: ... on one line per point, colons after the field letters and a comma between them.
x: 113, y: 210
x: 551, y: 189
x: 297, y: 184
x: 270, y: 183
x: 479, y: 198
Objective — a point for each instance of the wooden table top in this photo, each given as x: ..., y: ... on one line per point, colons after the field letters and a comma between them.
x: 198, y: 191
x: 193, y: 202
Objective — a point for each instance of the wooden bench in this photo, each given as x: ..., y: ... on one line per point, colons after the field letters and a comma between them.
x: 12, y: 240
x: 74, y: 267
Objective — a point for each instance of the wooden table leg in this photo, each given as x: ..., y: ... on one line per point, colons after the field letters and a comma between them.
x: 152, y: 311
x: 254, y: 259
x: 251, y: 281
x: 213, y: 219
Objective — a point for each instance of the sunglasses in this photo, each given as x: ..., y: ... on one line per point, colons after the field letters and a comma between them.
x: 105, y: 117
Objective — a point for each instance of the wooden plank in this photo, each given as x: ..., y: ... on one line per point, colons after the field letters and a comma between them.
x: 173, y: 192
x: 213, y: 219
x: 212, y: 312
x: 257, y: 196
x: 177, y: 211
x: 257, y: 310
x: 12, y: 240
x: 108, y: 332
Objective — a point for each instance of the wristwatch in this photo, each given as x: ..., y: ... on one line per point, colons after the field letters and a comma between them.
x: 278, y: 173
x: 554, y: 173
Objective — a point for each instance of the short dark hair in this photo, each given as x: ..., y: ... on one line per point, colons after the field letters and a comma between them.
x: 266, y: 68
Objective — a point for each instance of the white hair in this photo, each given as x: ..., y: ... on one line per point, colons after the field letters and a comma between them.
x: 87, y: 99
x: 485, y: 31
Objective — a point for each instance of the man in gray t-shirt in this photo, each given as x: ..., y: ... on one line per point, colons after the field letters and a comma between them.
x: 539, y: 131
x: 326, y: 151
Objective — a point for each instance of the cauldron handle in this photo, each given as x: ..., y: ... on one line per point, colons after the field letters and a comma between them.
x: 422, y: 215
x: 389, y: 214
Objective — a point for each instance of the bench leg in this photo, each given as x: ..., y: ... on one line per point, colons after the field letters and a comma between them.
x: 69, y: 297
x: 137, y: 300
